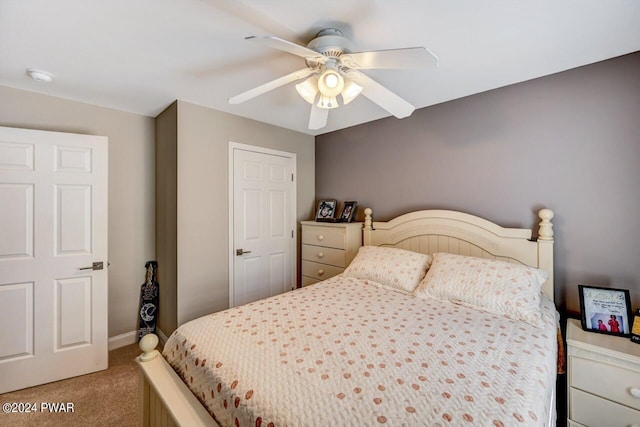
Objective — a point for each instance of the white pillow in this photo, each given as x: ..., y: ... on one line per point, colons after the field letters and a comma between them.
x: 512, y: 290
x: 391, y: 267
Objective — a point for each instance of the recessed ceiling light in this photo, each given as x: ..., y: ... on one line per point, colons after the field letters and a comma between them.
x: 40, y: 75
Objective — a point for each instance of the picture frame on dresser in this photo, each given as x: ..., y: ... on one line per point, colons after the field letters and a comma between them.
x: 605, y: 310
x: 348, y: 212
x: 326, y: 210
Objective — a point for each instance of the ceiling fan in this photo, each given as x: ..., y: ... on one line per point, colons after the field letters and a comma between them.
x: 333, y: 68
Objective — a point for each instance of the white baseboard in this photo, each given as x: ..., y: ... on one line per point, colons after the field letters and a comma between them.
x: 122, y: 340
x: 131, y: 338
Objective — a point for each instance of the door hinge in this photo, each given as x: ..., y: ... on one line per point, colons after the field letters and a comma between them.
x: 291, y: 177
x: 292, y: 234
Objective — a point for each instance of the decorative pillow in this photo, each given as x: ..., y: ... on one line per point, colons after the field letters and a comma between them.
x: 391, y: 267
x: 512, y: 290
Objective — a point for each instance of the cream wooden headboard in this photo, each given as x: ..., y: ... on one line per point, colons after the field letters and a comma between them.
x: 431, y: 231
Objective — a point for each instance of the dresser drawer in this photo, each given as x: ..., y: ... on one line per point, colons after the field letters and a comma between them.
x: 324, y: 255
x: 593, y: 411
x: 319, y: 271
x: 333, y: 237
x: 306, y: 281
x: 611, y: 382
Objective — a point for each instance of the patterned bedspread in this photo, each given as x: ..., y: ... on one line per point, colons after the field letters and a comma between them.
x: 345, y: 352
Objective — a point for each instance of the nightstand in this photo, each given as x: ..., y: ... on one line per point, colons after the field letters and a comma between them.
x: 604, y: 379
x: 328, y: 248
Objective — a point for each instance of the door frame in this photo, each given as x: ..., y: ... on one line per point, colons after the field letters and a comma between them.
x: 233, y: 146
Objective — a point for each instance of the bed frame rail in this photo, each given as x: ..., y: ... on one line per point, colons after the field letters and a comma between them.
x: 165, y: 399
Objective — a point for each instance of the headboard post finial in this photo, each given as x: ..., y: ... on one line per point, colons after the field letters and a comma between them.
x: 368, y: 219
x: 545, y: 232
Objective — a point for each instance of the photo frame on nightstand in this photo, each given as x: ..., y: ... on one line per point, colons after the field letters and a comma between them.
x: 635, y: 329
x: 605, y: 310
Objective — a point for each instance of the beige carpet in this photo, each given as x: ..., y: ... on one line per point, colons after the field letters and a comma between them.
x: 106, y: 398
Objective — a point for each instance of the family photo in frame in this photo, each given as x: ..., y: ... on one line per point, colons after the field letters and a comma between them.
x: 328, y: 208
x: 348, y: 211
x: 605, y: 310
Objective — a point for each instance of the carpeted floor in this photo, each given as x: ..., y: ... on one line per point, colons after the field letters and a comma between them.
x: 106, y: 398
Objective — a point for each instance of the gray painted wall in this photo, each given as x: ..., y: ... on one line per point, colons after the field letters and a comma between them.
x: 167, y: 216
x: 131, y: 185
x: 569, y: 142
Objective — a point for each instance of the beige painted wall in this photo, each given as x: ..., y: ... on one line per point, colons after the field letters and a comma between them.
x: 131, y: 185
x: 203, y: 137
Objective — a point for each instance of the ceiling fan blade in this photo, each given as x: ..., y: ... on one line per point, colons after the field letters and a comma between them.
x: 412, y: 57
x: 318, y: 117
x: 287, y: 46
x: 273, y: 84
x: 384, y: 97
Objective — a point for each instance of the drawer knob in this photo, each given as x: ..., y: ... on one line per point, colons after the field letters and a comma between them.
x: 320, y: 237
x: 320, y: 272
x: 635, y: 392
x: 320, y: 254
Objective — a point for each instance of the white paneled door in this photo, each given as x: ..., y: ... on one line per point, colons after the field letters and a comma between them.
x: 263, y: 223
x: 53, y: 256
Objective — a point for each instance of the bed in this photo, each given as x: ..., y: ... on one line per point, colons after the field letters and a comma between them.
x: 367, y: 347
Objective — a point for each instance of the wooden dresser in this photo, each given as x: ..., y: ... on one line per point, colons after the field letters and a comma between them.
x: 604, y: 379
x: 328, y: 248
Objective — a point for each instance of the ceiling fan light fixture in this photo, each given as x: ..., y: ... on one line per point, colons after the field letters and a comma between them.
x: 330, y: 83
x: 308, y: 89
x: 331, y: 80
x: 350, y: 92
x: 327, y: 102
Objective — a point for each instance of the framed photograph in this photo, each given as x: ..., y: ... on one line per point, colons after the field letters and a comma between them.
x: 635, y: 329
x: 605, y: 310
x: 348, y: 211
x: 326, y: 210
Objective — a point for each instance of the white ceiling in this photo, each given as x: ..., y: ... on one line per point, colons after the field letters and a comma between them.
x: 140, y: 55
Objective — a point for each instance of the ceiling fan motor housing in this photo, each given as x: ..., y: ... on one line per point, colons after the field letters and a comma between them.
x: 331, y: 43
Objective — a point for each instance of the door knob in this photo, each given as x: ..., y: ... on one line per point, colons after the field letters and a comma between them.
x: 95, y: 266
x: 241, y: 252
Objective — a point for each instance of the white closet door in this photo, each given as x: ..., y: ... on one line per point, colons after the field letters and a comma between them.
x: 263, y: 225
